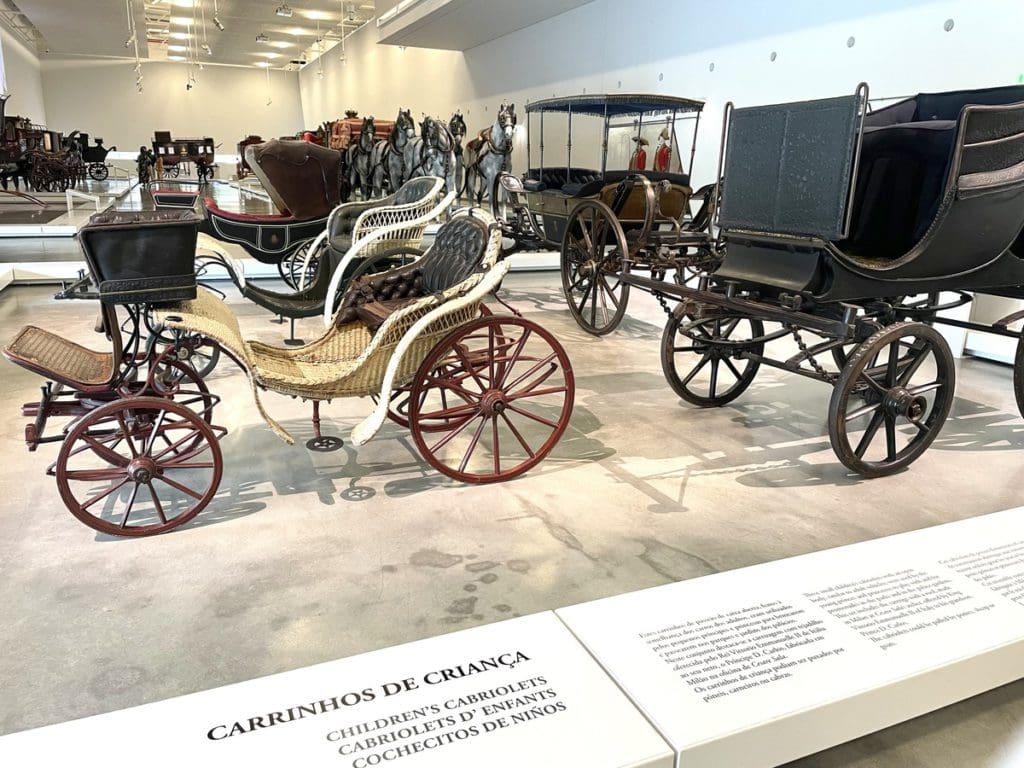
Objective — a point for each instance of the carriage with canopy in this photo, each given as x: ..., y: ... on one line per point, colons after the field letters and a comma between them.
x: 303, y: 181
x: 620, y: 213
x: 851, y: 232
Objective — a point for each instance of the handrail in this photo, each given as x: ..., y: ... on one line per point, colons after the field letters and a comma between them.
x: 70, y: 193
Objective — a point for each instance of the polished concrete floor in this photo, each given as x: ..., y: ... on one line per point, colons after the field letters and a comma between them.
x: 306, y: 557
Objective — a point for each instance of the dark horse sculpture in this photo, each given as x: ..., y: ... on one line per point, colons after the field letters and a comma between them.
x: 490, y: 153
x: 394, y: 158
x: 457, y: 130
x: 359, y: 158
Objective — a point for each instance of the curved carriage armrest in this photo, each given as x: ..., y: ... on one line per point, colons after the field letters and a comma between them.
x: 349, y: 212
x: 989, y: 182
x: 421, y: 211
x: 209, y: 251
x: 451, y: 302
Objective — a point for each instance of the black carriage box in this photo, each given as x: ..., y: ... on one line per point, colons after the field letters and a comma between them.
x: 142, y: 256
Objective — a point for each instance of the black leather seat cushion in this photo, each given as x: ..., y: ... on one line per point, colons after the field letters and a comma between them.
x: 458, y: 250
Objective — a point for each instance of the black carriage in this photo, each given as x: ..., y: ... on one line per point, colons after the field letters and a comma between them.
x: 94, y: 157
x: 636, y: 216
x: 303, y: 181
x: 859, y: 228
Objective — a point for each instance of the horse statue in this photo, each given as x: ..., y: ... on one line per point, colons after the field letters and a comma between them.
x: 457, y: 130
x: 17, y: 169
x: 490, y: 153
x: 394, y: 158
x: 435, y: 153
x: 360, y: 158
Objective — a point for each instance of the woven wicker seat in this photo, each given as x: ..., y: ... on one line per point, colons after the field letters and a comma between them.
x: 348, y: 360
x: 63, y: 360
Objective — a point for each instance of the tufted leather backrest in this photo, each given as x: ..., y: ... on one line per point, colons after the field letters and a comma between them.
x: 414, y: 190
x: 458, y: 250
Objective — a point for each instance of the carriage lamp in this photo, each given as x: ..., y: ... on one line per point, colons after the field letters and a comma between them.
x: 284, y: 10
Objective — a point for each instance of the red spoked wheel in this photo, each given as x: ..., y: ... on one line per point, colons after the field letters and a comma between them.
x: 139, y: 466
x: 398, y: 408
x: 491, y: 400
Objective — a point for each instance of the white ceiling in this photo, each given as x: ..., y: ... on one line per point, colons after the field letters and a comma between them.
x: 100, y: 28
x: 459, y: 25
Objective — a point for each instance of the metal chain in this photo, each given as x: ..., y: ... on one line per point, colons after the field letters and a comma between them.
x: 809, y: 357
x: 664, y: 304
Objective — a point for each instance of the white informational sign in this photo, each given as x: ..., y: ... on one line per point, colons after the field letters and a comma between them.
x: 762, y: 665
x: 518, y: 694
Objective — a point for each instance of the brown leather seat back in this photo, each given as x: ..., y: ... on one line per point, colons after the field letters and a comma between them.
x: 301, y: 178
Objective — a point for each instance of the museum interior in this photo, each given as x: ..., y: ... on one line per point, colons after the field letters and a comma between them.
x: 479, y: 345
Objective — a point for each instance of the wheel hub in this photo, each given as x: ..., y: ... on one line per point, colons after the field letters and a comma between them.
x: 900, y: 402
x: 142, y: 469
x: 493, y: 402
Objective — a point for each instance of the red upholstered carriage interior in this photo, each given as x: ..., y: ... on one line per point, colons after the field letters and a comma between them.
x: 248, y: 218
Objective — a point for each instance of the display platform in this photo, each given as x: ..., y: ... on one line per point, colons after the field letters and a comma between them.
x: 763, y: 665
x: 518, y: 693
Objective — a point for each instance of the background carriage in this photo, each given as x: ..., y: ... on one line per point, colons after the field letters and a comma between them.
x: 606, y: 220
x: 177, y: 153
x: 860, y: 229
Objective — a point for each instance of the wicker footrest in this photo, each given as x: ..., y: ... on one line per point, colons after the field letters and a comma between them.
x: 60, y: 359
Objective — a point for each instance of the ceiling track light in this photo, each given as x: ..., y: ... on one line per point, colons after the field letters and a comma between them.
x: 262, y: 38
x: 284, y: 10
x: 216, y: 17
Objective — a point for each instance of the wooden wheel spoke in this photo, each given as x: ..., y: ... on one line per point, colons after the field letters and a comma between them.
x: 697, y: 369
x: 862, y: 411
x: 924, y: 388
x: 530, y: 415
x: 533, y: 369
x: 893, y: 364
x: 608, y: 290
x: 189, y: 465
x: 732, y: 368
x: 915, y: 364
x: 880, y: 389
x: 869, y: 433
x: 518, y: 436
x: 495, y: 445
x: 472, y: 445
x: 469, y: 368
x: 688, y: 349
x: 451, y: 435
x: 890, y: 437
x: 583, y: 300
x: 129, y: 506
x: 190, y: 435
x: 447, y: 414
x: 127, y: 434
x: 524, y: 394
x: 103, y: 494
x: 511, y: 361
x: 714, y: 377
x: 179, y: 486
x: 94, y: 475
x: 156, y: 502
x: 105, y: 453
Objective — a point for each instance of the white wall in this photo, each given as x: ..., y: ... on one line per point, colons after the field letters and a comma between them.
x: 24, y: 80
x: 901, y: 48
x: 99, y: 97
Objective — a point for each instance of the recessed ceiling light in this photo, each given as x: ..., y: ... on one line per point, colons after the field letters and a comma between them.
x: 182, y: 3
x: 281, y: 44
x: 270, y: 55
x: 182, y: 20
x: 175, y: 58
x: 317, y: 15
x: 180, y: 35
x: 298, y: 31
x: 262, y: 63
x: 177, y: 47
